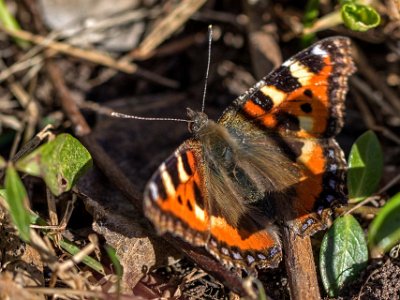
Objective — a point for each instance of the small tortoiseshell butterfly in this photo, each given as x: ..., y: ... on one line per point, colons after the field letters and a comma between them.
x: 274, y: 143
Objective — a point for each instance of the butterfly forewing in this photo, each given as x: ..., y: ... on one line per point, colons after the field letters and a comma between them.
x: 305, y: 96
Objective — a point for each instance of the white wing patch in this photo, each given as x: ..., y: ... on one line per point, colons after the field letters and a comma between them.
x: 167, y: 181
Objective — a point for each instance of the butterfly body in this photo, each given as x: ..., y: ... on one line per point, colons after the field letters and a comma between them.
x: 224, y: 188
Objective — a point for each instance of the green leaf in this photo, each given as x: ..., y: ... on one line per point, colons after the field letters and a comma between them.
x: 2, y: 162
x: 365, y: 167
x: 360, y: 17
x: 112, y: 254
x: 8, y: 20
x: 17, y: 200
x: 3, y: 193
x: 72, y: 249
x: 384, y: 231
x: 343, y: 254
x: 59, y: 162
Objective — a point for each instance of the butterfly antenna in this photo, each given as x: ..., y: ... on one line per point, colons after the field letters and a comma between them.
x: 124, y: 116
x: 210, y: 33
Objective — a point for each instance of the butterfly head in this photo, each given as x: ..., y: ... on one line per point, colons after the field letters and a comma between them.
x: 199, y: 120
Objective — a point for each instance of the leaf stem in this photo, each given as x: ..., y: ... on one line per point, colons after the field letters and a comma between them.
x: 327, y: 21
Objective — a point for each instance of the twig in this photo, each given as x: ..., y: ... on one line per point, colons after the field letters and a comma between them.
x: 71, y: 292
x: 68, y: 104
x: 371, y: 198
x: 93, y: 56
x: 27, y: 102
x: 371, y: 95
x: 53, y: 217
x: 364, y: 211
x: 78, y: 257
x: 34, y: 142
x: 327, y: 21
x: 168, y: 25
x: 362, y: 203
x: 19, y: 66
x: 299, y: 260
x: 173, y: 47
x: 368, y: 116
x: 365, y: 68
x: 10, y: 121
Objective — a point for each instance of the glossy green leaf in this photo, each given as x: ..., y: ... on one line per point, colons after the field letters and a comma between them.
x: 59, y: 162
x: 360, y: 17
x: 343, y: 254
x: 384, y: 231
x: 365, y: 167
x: 2, y: 162
x: 17, y: 200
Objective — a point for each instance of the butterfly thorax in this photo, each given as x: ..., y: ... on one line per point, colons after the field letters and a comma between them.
x: 217, y: 141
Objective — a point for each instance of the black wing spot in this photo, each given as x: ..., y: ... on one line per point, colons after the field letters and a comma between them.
x: 174, y: 174
x: 262, y: 100
x: 180, y: 199
x: 186, y: 165
x: 197, y: 194
x: 314, y: 63
x: 288, y: 121
x: 282, y: 79
x: 189, y: 205
x: 161, y: 188
x: 308, y: 93
x: 306, y: 107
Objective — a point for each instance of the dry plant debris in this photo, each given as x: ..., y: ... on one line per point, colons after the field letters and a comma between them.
x: 149, y: 58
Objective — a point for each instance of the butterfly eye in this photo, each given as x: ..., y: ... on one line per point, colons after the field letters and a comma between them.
x: 192, y: 127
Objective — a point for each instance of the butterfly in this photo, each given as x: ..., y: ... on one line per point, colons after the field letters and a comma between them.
x: 274, y: 145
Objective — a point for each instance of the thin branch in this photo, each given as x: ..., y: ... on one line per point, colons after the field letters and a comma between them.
x: 90, y: 55
x: 168, y: 25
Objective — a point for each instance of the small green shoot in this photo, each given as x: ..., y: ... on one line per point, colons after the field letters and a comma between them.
x: 356, y: 15
x: 359, y: 17
x: 72, y: 249
x: 17, y: 201
x: 112, y: 254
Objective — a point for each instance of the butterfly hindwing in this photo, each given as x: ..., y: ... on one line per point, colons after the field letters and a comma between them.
x: 176, y: 202
x: 322, y: 185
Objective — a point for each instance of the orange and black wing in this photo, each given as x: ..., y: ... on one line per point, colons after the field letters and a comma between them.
x: 176, y: 201
x: 301, y: 106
